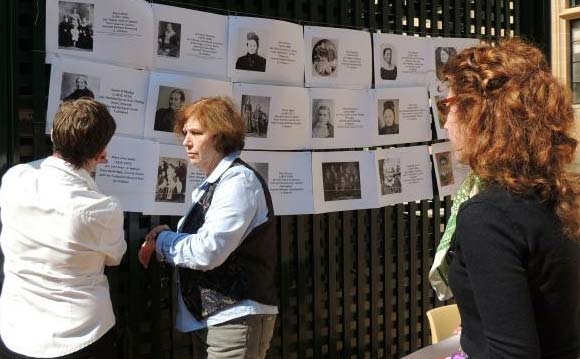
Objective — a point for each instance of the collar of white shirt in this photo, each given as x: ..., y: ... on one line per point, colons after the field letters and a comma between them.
x: 224, y: 164
x: 67, y: 167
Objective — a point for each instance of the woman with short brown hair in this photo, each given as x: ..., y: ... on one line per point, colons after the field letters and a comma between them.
x: 225, y: 247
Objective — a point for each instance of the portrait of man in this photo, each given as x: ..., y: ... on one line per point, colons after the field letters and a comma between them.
x: 173, y: 99
x: 341, y: 181
x: 324, y: 57
x: 75, y: 86
x: 251, y: 60
x: 171, y: 176
x: 390, y: 175
x: 75, y: 28
x: 322, y: 118
x: 255, y: 112
x: 445, y: 168
x: 169, y: 39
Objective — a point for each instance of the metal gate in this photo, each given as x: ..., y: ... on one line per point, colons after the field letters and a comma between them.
x: 352, y: 284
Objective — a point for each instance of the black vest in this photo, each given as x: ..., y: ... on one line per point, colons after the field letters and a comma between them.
x: 248, y: 273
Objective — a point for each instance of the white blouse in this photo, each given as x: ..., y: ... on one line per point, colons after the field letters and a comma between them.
x: 58, y: 234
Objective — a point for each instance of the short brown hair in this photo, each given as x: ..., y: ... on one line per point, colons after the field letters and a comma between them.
x: 81, y: 129
x: 219, y: 116
x: 518, y: 122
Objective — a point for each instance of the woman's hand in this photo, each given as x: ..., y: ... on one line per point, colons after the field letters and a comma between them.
x: 148, y: 247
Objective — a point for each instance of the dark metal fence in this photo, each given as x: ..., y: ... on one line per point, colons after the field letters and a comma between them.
x: 352, y: 284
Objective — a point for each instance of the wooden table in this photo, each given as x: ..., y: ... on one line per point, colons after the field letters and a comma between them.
x: 442, y: 349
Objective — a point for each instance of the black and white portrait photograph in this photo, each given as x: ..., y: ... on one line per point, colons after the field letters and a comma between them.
x: 171, y: 176
x: 341, y: 180
x: 388, y: 62
x: 390, y: 175
x: 169, y: 39
x: 261, y: 168
x: 441, y: 115
x: 388, y: 117
x: 255, y: 111
x: 252, y: 51
x: 324, y: 57
x: 442, y: 57
x: 169, y: 102
x: 75, y: 27
x: 322, y: 118
x: 444, y: 168
x: 75, y: 86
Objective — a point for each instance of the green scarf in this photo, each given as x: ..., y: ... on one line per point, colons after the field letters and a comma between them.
x: 471, y: 186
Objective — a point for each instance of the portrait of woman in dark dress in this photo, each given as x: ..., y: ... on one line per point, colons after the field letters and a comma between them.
x: 388, y: 69
x: 81, y: 90
x: 251, y: 61
x: 388, y: 121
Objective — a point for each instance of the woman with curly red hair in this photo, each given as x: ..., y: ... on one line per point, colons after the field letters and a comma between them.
x: 514, y: 257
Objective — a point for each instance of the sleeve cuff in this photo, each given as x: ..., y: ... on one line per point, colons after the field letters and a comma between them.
x: 162, y: 244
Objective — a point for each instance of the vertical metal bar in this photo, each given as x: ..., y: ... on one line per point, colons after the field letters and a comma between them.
x: 478, y: 19
x: 457, y: 28
x: 302, y: 264
x: 40, y: 148
x: 136, y: 275
x: 8, y: 123
x: 285, y: 262
x: 361, y: 284
x: 342, y: 11
x: 266, y: 9
x: 347, y: 283
x: 422, y: 17
x: 426, y: 249
x: 411, y: 17
x: 371, y: 14
x: 516, y: 16
x: 313, y: 11
x: 298, y: 13
x: 436, y: 228
x: 398, y: 16
x: 329, y: 6
x: 332, y: 286
x: 497, y: 18
x: 374, y: 272
x: 155, y: 310
x: 434, y: 17
x: 506, y: 20
x: 357, y: 12
x: 247, y: 5
x: 468, y: 19
x: 401, y: 267
x: 316, y: 280
x: 446, y: 18
x: 488, y: 12
x: 280, y: 8
x: 388, y: 282
x: 413, y: 286
x: 387, y: 12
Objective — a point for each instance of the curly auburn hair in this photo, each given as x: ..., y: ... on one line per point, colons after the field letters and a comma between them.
x: 518, y: 121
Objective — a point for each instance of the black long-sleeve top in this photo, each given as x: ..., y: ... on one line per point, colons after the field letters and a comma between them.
x: 516, y: 279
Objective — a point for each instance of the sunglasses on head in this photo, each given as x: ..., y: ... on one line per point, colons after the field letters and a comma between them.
x: 445, y: 104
